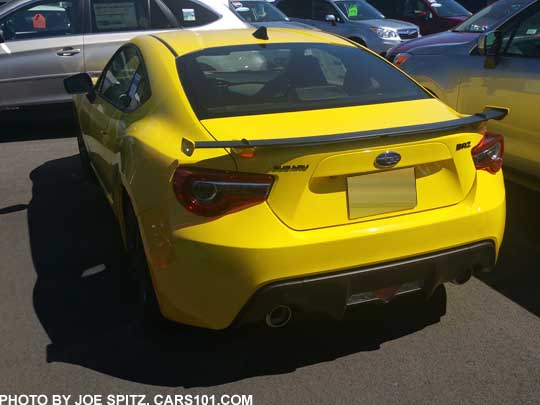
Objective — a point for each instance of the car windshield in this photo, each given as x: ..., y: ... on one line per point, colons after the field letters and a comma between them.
x: 358, y: 10
x: 448, y: 8
x: 491, y: 16
x: 274, y: 78
x: 258, y: 11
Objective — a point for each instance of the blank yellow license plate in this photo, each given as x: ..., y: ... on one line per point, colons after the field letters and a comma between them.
x: 378, y: 193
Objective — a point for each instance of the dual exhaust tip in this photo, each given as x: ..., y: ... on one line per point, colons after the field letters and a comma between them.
x: 463, y: 277
x: 279, y: 316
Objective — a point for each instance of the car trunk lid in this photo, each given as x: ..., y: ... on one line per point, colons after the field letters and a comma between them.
x: 322, y: 185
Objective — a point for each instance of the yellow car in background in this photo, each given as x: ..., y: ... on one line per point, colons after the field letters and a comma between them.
x: 259, y: 174
x: 492, y: 59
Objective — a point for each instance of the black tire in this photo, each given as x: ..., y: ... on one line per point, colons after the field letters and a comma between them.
x: 86, y: 168
x: 147, y: 301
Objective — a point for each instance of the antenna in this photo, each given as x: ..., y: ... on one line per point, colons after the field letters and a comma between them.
x: 261, y: 33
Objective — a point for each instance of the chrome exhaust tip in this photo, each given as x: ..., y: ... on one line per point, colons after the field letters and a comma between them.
x: 279, y: 316
x: 462, y: 277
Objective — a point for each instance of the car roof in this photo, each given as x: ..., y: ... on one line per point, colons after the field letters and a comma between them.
x: 183, y: 42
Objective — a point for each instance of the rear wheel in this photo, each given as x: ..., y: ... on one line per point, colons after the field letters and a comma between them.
x: 147, y: 301
x: 86, y: 168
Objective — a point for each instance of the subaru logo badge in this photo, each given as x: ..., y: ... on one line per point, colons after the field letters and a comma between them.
x: 387, y: 159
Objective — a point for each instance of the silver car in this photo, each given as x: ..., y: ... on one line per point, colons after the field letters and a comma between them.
x: 356, y: 20
x: 44, y: 41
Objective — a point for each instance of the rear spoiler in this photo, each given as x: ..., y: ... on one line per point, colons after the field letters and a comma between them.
x: 491, y: 113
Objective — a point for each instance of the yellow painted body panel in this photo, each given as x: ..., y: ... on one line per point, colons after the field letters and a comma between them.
x: 205, y: 270
x: 317, y: 197
x: 513, y: 84
x: 521, y: 127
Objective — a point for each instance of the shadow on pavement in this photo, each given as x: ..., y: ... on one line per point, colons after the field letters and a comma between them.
x: 33, y: 123
x: 88, y: 313
x: 517, y: 275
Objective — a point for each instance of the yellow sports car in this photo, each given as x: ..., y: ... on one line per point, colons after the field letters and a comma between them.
x: 260, y: 174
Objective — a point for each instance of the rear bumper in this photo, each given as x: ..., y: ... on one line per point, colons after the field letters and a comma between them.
x: 331, y: 294
x: 206, y: 273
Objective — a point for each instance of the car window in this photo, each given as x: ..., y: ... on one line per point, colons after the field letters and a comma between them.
x: 358, y: 10
x: 186, y: 13
x: 119, y: 15
x: 249, y: 79
x: 414, y: 8
x: 46, y: 19
x: 389, y: 8
x: 491, y: 16
x: 525, y: 38
x: 296, y: 8
x: 448, y: 8
x: 321, y: 9
x: 124, y: 82
x: 258, y: 11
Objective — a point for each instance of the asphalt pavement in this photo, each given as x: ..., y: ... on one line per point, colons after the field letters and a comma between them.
x: 68, y: 324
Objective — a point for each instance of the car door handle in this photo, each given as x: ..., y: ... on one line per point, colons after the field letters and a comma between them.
x: 69, y: 51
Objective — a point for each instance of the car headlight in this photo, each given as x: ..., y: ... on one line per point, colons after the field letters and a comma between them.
x: 385, y: 33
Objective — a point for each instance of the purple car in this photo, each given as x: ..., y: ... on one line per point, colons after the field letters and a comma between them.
x: 466, y: 33
x: 430, y: 15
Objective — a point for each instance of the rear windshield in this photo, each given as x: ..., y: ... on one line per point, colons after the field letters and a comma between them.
x: 258, y: 11
x: 449, y: 8
x: 265, y: 79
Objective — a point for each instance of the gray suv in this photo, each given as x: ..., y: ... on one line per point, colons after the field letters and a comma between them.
x: 356, y: 20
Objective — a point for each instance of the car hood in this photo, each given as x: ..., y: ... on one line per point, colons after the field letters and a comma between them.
x: 284, y: 24
x: 386, y: 23
x: 441, y: 38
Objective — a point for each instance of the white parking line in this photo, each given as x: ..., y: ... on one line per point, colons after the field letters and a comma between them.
x: 5, y: 48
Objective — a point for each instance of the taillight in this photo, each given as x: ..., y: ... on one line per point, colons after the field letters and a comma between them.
x: 213, y: 193
x: 488, y: 154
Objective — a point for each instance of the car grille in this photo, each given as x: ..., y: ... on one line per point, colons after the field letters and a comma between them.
x: 408, y: 33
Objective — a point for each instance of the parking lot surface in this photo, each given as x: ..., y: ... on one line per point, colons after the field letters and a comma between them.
x: 68, y: 323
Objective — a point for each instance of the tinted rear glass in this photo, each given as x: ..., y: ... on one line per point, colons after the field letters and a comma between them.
x: 254, y: 79
x: 449, y: 8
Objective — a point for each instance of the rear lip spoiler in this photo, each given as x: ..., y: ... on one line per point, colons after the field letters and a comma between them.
x: 489, y: 114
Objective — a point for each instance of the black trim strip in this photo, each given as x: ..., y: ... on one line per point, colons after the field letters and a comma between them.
x: 170, y: 48
x: 488, y: 114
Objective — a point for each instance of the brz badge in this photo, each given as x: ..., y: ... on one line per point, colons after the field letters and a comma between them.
x: 387, y: 159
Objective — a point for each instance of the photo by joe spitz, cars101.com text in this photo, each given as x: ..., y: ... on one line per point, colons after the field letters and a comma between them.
x: 268, y: 169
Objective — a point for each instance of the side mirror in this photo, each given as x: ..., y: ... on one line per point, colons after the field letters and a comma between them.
x: 490, y: 45
x: 81, y: 83
x: 331, y: 18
